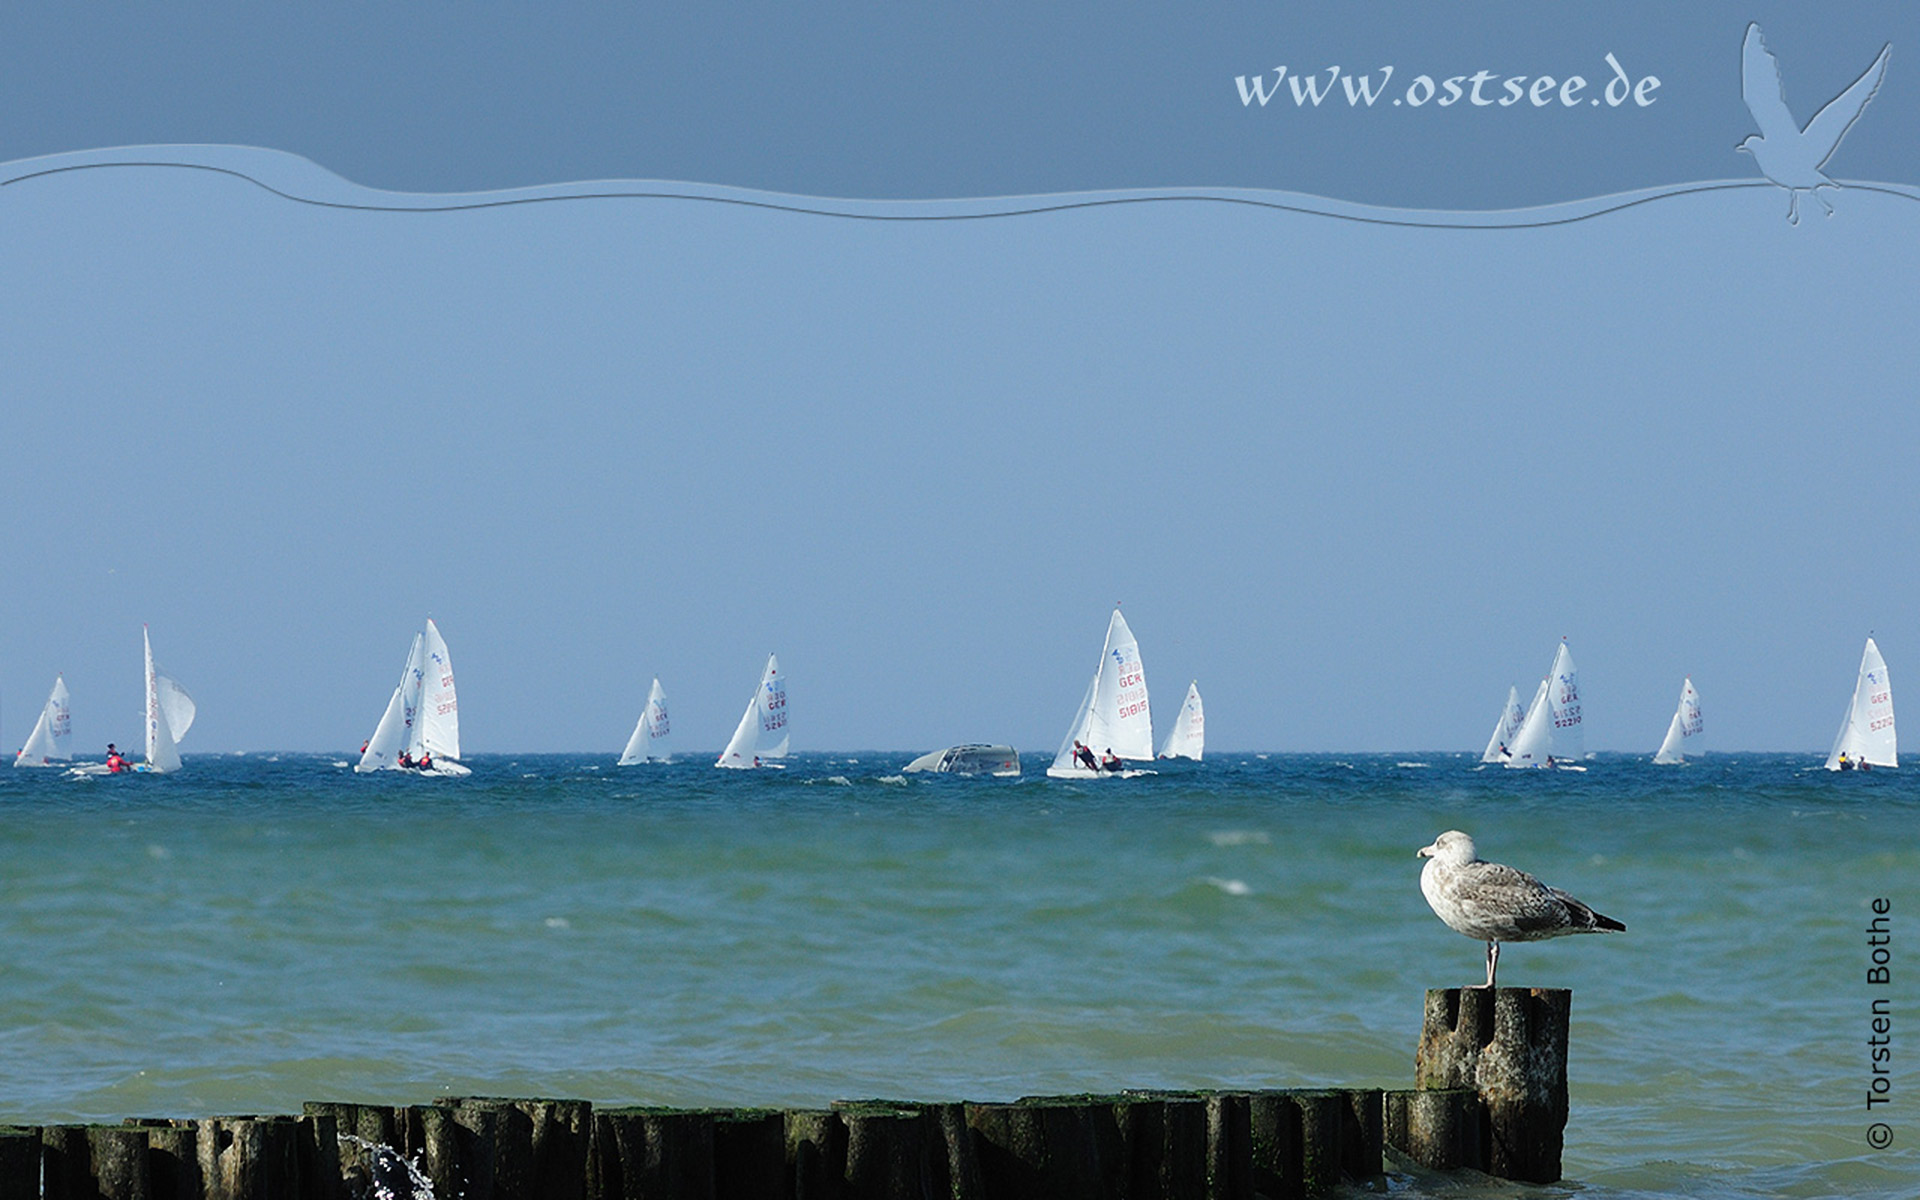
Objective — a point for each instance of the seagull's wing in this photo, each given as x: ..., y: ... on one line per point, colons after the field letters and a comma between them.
x: 1760, y: 84
x: 1497, y: 894
x: 1831, y: 123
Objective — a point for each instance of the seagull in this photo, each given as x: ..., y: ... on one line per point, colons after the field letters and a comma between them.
x: 1496, y: 903
x: 1785, y: 153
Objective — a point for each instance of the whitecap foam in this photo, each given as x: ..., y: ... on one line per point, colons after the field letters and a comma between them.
x: 893, y: 780
x: 1240, y: 837
x: 1232, y: 887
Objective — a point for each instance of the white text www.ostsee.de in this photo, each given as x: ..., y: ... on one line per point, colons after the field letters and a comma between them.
x: 1482, y: 89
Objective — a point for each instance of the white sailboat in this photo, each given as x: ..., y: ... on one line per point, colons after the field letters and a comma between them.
x: 649, y: 740
x: 422, y: 719
x: 52, y: 738
x: 1188, y: 737
x: 1113, y: 715
x: 170, y: 713
x: 1686, y: 724
x: 1505, y: 729
x: 1551, y: 733
x: 1866, y: 734
x: 763, y: 727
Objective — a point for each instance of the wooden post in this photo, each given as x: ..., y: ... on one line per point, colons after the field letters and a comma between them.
x: 537, y: 1148
x: 1510, y: 1046
x: 956, y: 1174
x: 749, y: 1154
x: 1056, y: 1147
x: 1274, y: 1137
x: 117, y: 1160
x: 888, y: 1157
x: 19, y: 1161
x: 816, y: 1155
x: 65, y: 1163
x: 653, y: 1154
x: 1362, y: 1133
x: 1441, y: 1128
x: 173, y: 1160
x: 1322, y: 1120
x: 1229, y: 1147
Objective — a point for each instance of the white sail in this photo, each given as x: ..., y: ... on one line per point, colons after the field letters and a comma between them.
x: 1866, y: 735
x: 1114, y: 715
x: 649, y: 740
x: 1188, y: 737
x: 1686, y: 723
x: 1532, y: 743
x: 439, y: 723
x: 1552, y: 728
x: 162, y: 752
x: 394, y: 731
x: 1563, y: 694
x: 52, y: 738
x: 178, y: 706
x: 1064, y: 764
x: 1506, y: 729
x: 762, y: 733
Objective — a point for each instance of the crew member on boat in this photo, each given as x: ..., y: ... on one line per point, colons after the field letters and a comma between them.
x: 115, y: 763
x: 1083, y: 754
x: 1111, y: 761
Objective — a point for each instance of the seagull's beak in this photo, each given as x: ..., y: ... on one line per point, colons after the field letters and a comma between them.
x: 1426, y: 851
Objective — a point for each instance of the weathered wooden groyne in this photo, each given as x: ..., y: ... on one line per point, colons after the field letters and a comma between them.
x: 1490, y: 1094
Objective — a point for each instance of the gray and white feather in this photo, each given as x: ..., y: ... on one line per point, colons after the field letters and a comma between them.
x: 1494, y: 903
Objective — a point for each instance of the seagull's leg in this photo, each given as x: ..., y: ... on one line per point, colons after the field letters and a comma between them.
x: 1493, y: 958
x: 1823, y: 199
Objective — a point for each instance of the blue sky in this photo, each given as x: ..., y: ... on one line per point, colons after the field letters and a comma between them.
x: 1356, y: 479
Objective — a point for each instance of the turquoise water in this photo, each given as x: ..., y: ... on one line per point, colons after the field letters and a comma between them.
x: 257, y: 931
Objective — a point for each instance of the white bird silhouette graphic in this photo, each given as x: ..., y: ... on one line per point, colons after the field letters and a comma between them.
x: 1787, y: 154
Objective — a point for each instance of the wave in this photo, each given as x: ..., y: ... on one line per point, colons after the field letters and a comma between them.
x: 300, y: 180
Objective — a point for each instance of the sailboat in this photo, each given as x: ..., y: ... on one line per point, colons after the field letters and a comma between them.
x: 763, y: 727
x: 170, y: 713
x: 649, y: 740
x: 1550, y: 734
x: 1113, y: 715
x: 1866, y: 735
x: 422, y: 719
x: 1686, y: 724
x: 1188, y: 737
x: 52, y: 738
x: 1504, y: 729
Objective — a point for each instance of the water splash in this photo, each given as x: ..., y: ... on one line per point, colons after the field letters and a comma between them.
x: 374, y: 1171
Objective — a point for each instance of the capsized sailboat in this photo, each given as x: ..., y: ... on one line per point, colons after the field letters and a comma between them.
x: 973, y: 758
x: 52, y: 738
x: 1505, y: 729
x: 649, y: 740
x: 1188, y: 737
x: 170, y: 713
x: 762, y: 733
x: 422, y: 719
x: 1866, y: 734
x: 1551, y: 733
x: 1113, y: 715
x: 1686, y: 724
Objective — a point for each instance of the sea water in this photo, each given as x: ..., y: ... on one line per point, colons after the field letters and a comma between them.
x: 256, y: 931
